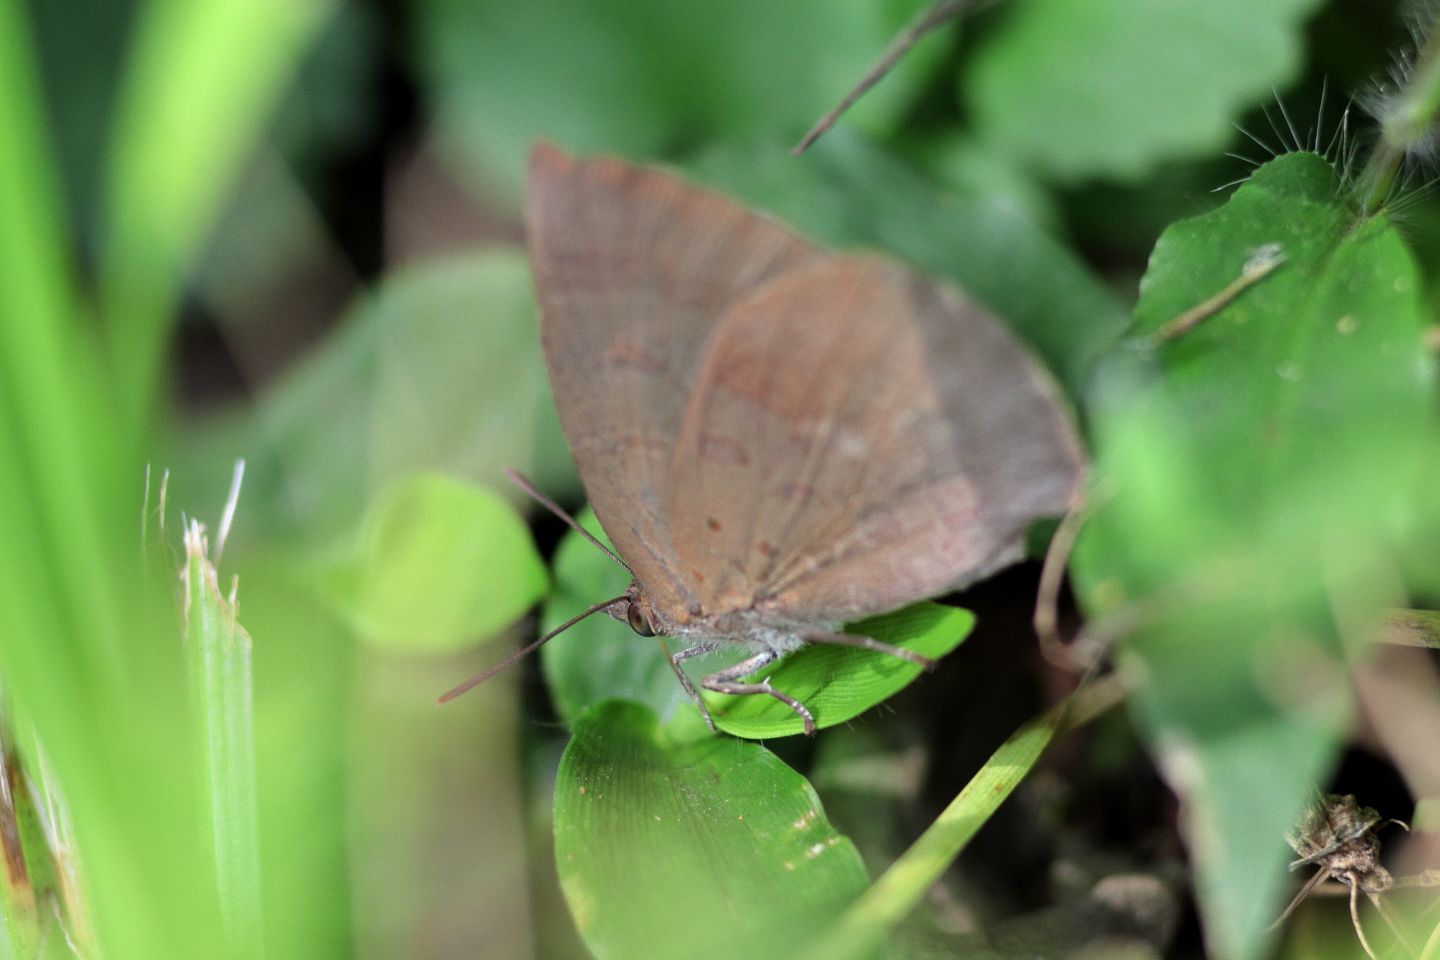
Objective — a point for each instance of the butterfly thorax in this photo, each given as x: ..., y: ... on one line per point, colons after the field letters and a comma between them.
x: 748, y: 628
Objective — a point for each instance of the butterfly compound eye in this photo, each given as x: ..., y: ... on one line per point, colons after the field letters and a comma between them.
x: 637, y: 621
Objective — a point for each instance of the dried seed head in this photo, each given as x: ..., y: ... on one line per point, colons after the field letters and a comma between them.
x: 1338, y: 835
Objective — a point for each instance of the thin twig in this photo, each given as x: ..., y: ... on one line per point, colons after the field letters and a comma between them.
x: 866, y: 922
x: 930, y: 20
x: 1260, y: 265
x: 1052, y: 575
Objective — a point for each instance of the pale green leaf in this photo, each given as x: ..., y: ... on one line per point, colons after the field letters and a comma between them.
x: 443, y: 564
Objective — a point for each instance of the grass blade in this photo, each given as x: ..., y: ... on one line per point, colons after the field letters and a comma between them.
x: 202, y: 78
x: 889, y: 899
x: 222, y: 681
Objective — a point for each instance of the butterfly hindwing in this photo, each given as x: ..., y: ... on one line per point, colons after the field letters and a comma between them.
x: 858, y: 438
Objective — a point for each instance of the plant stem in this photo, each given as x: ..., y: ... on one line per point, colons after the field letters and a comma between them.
x: 1409, y: 120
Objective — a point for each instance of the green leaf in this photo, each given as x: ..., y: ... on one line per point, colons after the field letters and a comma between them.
x: 439, y: 369
x: 600, y: 659
x: 839, y: 683
x: 1109, y: 88
x: 443, y: 564
x: 1264, y: 480
x: 643, y: 77
x: 848, y: 193
x: 713, y: 849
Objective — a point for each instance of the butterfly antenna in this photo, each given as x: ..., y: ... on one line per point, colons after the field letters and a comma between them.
x: 523, y: 482
x: 526, y: 650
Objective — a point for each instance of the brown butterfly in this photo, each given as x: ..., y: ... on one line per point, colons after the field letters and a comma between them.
x: 778, y: 439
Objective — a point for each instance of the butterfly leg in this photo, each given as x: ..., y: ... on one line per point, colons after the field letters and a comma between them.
x: 678, y: 657
x: 869, y: 643
x: 731, y: 680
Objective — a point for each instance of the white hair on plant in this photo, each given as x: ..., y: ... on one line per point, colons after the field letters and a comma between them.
x: 1405, y: 154
x: 1394, y: 165
x: 1339, y: 148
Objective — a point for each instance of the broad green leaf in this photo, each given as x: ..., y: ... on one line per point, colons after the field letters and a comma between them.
x: 1110, y: 88
x: 712, y: 849
x: 600, y: 658
x: 971, y: 231
x: 439, y: 369
x: 442, y: 565
x: 1263, y: 481
x: 837, y: 683
x: 645, y: 77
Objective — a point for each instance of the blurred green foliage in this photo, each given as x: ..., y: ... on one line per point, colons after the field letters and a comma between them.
x: 1059, y: 87
x: 394, y: 594
x: 1284, y: 445
x: 287, y: 232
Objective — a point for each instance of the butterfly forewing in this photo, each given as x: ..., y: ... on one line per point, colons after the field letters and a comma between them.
x: 632, y: 270
x: 763, y: 424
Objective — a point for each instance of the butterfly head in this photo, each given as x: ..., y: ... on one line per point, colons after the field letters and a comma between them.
x: 634, y: 610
